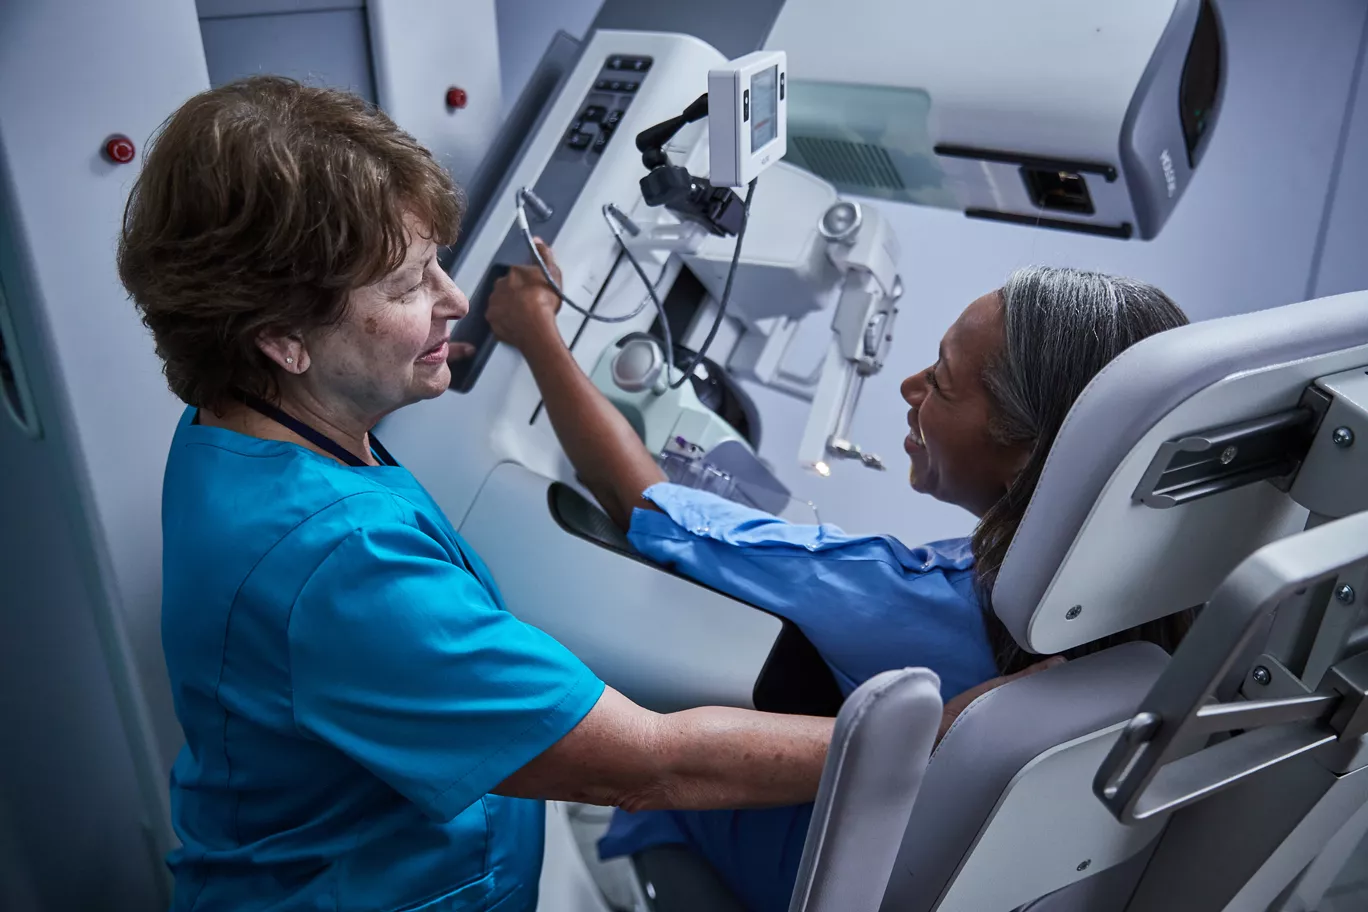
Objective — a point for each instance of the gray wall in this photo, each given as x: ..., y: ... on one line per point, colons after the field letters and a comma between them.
x: 1343, y: 264
x: 526, y: 28
x: 319, y: 44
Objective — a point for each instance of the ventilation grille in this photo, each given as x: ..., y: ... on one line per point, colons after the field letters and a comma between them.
x: 847, y: 164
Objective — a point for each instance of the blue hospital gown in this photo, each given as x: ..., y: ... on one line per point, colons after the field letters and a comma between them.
x: 868, y: 603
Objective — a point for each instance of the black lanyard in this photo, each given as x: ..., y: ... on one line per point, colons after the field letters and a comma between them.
x: 322, y: 441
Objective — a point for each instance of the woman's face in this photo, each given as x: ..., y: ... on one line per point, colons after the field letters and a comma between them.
x: 390, y: 349
x: 954, y: 457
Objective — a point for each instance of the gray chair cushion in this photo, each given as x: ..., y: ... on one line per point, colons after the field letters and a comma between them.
x: 1127, y: 398
x: 992, y: 741
x: 883, y: 737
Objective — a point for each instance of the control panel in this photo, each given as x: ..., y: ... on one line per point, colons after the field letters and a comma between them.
x: 559, y: 186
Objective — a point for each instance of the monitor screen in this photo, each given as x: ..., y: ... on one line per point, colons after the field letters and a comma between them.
x: 764, y: 108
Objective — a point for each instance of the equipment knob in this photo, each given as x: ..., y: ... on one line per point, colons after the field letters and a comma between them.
x: 638, y: 364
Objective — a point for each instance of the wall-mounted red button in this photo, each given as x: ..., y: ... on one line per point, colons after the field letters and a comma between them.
x: 119, y: 149
x: 456, y: 98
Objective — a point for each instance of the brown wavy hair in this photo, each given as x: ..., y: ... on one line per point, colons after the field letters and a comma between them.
x: 1061, y: 327
x: 261, y: 204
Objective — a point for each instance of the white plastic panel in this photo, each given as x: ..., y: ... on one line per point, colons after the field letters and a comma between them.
x: 1138, y: 563
x: 786, y: 272
x: 993, y: 70
x: 663, y: 641
x: 88, y: 719
x: 1046, y: 832
x: 421, y: 48
x: 72, y: 74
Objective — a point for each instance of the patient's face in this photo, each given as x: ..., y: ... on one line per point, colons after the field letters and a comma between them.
x: 954, y: 457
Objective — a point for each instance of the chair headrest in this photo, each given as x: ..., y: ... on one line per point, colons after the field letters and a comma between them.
x: 1090, y: 560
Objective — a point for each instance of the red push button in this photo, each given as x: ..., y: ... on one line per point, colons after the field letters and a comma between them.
x: 119, y: 149
x: 456, y: 98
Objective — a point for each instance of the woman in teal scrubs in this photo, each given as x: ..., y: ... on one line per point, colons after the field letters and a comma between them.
x: 364, y: 721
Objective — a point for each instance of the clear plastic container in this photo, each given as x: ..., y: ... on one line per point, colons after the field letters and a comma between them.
x: 686, y: 464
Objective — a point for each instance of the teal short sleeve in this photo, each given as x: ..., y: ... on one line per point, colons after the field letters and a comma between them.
x: 402, y: 660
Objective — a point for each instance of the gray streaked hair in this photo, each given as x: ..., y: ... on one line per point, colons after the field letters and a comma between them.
x: 1060, y: 328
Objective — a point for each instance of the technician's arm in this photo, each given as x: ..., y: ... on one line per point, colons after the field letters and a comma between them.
x: 625, y: 756
x: 604, y: 449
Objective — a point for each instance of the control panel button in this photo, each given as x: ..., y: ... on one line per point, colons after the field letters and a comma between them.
x: 614, y: 118
x: 629, y: 64
x: 630, y: 86
x: 119, y: 149
x: 579, y: 140
x: 603, y: 85
x: 594, y: 113
x: 601, y: 142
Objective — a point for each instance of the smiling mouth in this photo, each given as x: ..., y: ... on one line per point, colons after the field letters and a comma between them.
x: 435, y: 355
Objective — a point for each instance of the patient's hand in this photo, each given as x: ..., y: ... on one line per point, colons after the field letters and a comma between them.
x: 522, y: 307
x: 960, y: 703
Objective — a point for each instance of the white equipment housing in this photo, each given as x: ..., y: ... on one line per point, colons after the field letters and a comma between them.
x: 1087, y: 115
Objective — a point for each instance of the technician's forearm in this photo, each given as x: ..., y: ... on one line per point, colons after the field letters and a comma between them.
x: 602, y: 446
x: 716, y: 757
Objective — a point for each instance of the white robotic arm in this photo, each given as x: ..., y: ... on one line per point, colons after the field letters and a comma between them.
x: 865, y: 249
x: 808, y: 253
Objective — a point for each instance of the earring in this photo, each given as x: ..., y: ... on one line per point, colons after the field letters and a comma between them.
x: 289, y: 360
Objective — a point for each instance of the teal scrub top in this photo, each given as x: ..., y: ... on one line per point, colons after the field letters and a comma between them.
x: 351, y: 688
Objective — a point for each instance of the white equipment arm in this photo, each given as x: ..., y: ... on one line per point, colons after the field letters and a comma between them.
x: 806, y: 252
x: 864, y: 248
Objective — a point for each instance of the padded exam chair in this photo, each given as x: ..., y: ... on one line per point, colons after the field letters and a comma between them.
x: 1202, y: 449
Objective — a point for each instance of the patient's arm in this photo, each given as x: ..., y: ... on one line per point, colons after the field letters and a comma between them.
x: 606, y: 452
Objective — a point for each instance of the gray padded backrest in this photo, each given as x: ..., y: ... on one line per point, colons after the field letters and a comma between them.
x: 991, y: 742
x: 1127, y: 398
x: 883, y: 737
x: 1103, y: 892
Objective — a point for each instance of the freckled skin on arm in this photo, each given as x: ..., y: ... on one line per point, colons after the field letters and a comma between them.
x: 621, y: 755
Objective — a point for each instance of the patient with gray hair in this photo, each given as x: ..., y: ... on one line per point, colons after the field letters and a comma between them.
x: 980, y: 424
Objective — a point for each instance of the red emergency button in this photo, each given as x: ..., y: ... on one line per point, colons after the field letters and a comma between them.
x: 119, y: 149
x: 456, y: 98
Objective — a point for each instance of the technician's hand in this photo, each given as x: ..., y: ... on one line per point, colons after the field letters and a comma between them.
x: 522, y: 308
x: 960, y: 703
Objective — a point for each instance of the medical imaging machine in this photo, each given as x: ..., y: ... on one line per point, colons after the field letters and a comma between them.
x: 1219, y: 464
x: 816, y: 274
